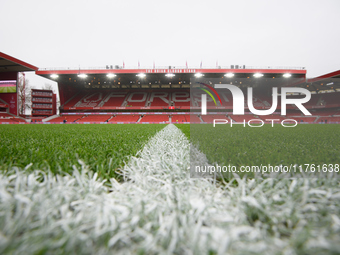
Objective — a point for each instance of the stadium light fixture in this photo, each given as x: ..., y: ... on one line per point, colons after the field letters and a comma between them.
x: 170, y: 75
x: 110, y: 75
x: 82, y: 75
x: 54, y: 76
x: 287, y: 75
x: 258, y: 75
x: 229, y: 75
x: 198, y: 75
x: 141, y: 75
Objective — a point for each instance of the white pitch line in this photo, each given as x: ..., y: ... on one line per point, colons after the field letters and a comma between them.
x: 159, y: 209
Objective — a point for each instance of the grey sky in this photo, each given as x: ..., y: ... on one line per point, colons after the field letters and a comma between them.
x: 73, y: 33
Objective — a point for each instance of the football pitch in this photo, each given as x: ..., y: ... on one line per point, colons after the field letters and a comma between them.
x: 57, y: 148
x: 105, y: 148
x: 9, y: 89
x: 304, y: 148
x: 126, y: 189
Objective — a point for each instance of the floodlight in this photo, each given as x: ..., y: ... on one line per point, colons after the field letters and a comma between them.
x: 141, y: 75
x: 110, y: 75
x: 229, y: 75
x: 258, y: 75
x: 54, y: 76
x: 287, y: 75
x: 82, y: 75
x: 170, y: 75
x: 198, y: 75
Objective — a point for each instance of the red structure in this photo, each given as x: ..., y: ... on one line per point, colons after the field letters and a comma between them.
x: 44, y: 103
x: 9, y: 70
x: 163, y: 94
x: 142, y: 89
x: 135, y: 95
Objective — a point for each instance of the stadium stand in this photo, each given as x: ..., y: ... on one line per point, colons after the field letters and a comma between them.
x: 136, y: 99
x: 294, y: 114
x: 185, y: 118
x: 113, y: 99
x: 160, y: 99
x: 210, y: 118
x: 124, y: 98
x: 184, y: 105
x: 312, y: 102
x: 95, y: 118
x: 18, y: 120
x: 238, y: 118
x: 126, y: 118
x: 96, y: 99
x: 277, y: 118
x: 14, y: 120
x: 305, y: 119
x: 91, y: 100
x: 73, y: 100
x: 155, y: 118
x: 194, y: 118
x: 159, y: 102
x: 180, y: 118
x: 180, y: 99
x: 5, y: 117
x: 262, y: 100
x: 68, y: 118
x: 323, y: 100
x: 324, y: 112
x: 330, y: 98
x: 3, y: 103
x: 328, y: 120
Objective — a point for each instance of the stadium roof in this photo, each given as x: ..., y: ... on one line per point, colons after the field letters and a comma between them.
x: 334, y: 75
x: 327, y: 82
x: 11, y: 64
x: 156, y: 77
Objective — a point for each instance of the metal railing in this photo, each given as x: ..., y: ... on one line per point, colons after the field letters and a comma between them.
x: 42, y: 100
x: 44, y: 94
x: 115, y: 67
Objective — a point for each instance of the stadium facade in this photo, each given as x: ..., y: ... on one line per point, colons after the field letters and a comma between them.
x: 162, y: 95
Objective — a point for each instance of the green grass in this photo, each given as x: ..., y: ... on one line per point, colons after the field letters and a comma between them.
x: 8, y: 89
x: 160, y: 209
x: 185, y: 128
x: 159, y: 202
x: 238, y: 145
x: 106, y: 147
x: 58, y: 147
